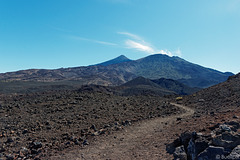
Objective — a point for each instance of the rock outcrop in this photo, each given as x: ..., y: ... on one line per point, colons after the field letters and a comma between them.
x: 222, y: 143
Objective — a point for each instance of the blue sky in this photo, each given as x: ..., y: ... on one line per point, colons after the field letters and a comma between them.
x: 67, y: 33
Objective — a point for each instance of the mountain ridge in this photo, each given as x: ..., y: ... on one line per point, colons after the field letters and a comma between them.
x: 151, y: 67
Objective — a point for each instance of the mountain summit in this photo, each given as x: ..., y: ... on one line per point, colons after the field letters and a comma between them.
x: 117, y: 60
x: 162, y: 66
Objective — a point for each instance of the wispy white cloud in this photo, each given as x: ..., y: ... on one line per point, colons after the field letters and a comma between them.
x: 139, y: 46
x: 178, y: 52
x: 132, y: 41
x: 138, y: 43
x: 136, y: 37
x: 92, y: 40
x: 59, y: 29
x: 165, y: 52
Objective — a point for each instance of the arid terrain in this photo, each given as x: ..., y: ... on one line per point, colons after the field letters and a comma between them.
x: 59, y: 120
x: 136, y: 120
x: 149, y: 139
x: 95, y: 123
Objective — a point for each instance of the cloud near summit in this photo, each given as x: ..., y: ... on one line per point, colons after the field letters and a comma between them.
x: 138, y: 46
x: 138, y: 43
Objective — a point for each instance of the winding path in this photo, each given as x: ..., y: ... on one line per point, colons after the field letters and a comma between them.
x: 144, y: 140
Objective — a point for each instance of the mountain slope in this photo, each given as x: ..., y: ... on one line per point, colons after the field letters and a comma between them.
x: 117, y: 60
x: 143, y: 86
x: 152, y: 67
x: 99, y: 75
x: 140, y: 81
x: 225, y: 96
x: 175, y: 86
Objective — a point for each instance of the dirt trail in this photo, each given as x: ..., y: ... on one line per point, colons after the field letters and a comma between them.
x: 144, y: 140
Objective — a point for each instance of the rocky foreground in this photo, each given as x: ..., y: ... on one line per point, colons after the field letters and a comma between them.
x: 223, y: 142
x: 36, y: 126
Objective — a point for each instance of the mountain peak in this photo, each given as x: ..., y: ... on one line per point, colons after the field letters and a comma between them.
x: 116, y: 60
x: 122, y: 56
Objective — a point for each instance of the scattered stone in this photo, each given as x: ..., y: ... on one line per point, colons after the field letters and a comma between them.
x: 236, y: 117
x: 227, y: 140
x: 212, y: 113
x: 24, y: 151
x: 34, y: 151
x: 223, y: 142
x: 185, y: 138
x: 225, y: 127
x: 97, y: 133
x: 172, y: 146
x: 48, y: 127
x: 106, y: 126
x: 179, y: 119
x: 117, y: 128
x: 76, y: 142
x: 201, y: 100
x: 47, y: 123
x: 126, y: 123
x: 196, y: 146
x: 85, y: 142
x: 68, y: 143
x: 116, y: 124
x: 24, y: 131
x: 93, y: 127
x: 180, y: 153
x: 211, y: 153
x: 2, y: 149
x: 9, y: 140
x: 9, y: 157
x: 36, y: 145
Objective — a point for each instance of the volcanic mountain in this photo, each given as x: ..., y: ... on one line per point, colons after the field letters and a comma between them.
x: 117, y: 60
x: 121, y: 70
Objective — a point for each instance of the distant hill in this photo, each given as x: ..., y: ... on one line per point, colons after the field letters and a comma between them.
x: 121, y: 70
x: 141, y: 85
x: 175, y: 86
x: 117, y: 60
x: 140, y: 81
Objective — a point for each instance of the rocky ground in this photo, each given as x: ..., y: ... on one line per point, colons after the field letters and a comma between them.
x: 222, y: 97
x: 35, y: 126
x: 96, y: 123
x: 218, y: 139
x: 221, y: 105
x: 148, y: 139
